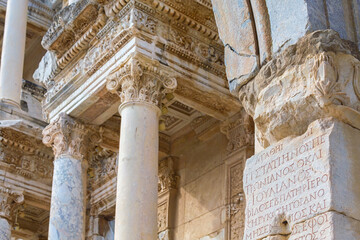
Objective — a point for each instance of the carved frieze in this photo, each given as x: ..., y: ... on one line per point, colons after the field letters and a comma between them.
x: 24, y: 155
x: 135, y: 18
x: 140, y: 80
x: 70, y: 137
x: 71, y: 22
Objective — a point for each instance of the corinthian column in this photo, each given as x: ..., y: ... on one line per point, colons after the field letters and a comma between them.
x: 70, y: 141
x: 140, y: 85
x: 12, y: 58
x: 9, y: 201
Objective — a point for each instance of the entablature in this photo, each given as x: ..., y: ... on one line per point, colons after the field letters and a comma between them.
x: 164, y: 31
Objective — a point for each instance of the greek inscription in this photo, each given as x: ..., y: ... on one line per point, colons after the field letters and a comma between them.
x: 287, y: 180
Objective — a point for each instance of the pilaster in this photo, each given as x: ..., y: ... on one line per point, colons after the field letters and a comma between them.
x: 167, y: 187
x: 239, y: 131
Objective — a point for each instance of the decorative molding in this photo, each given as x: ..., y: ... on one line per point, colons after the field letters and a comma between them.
x: 83, y: 42
x: 135, y: 18
x: 68, y: 25
x: 140, y: 80
x: 169, y: 8
x: 70, y: 137
x: 25, y: 155
x: 33, y: 89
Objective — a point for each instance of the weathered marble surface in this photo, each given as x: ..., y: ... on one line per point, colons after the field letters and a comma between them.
x: 5, y: 229
x: 254, y: 31
x: 297, y: 179
x: 329, y: 225
x: 317, y: 77
x: 67, y: 200
x: 241, y: 56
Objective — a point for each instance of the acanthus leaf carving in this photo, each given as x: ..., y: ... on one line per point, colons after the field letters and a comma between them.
x: 327, y: 85
x: 140, y: 80
x: 167, y: 176
x: 68, y: 136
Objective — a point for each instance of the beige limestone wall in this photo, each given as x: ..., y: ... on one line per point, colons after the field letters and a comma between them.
x: 202, y: 188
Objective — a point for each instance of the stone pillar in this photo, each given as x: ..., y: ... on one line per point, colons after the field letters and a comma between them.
x: 13, y: 50
x: 167, y: 187
x: 306, y: 112
x: 239, y: 130
x: 9, y: 201
x: 140, y: 85
x: 71, y: 142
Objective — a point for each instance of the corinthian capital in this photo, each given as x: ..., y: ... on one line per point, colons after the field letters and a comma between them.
x: 70, y: 137
x: 9, y: 201
x: 140, y: 80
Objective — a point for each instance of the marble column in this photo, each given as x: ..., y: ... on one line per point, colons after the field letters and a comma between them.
x: 71, y: 142
x: 140, y: 85
x: 9, y: 201
x: 13, y: 50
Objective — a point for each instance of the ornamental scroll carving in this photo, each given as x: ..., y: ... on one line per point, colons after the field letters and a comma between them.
x: 10, y: 200
x: 140, y: 80
x: 167, y: 189
x: 167, y: 176
x: 239, y: 132
x: 70, y: 137
x: 23, y: 154
x: 236, y: 200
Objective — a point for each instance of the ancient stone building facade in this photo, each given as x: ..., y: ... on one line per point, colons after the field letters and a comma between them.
x: 180, y: 120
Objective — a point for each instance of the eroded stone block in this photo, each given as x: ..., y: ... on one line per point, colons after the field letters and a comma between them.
x: 300, y: 178
x: 329, y: 226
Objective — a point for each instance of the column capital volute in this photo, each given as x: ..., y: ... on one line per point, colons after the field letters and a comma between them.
x: 141, y: 80
x: 10, y: 200
x: 71, y: 137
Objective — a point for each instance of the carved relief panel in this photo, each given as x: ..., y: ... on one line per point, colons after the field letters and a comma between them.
x: 167, y: 189
x: 240, y: 134
x: 236, y: 200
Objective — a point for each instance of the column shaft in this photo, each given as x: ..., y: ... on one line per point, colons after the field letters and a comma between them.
x: 137, y: 184
x: 67, y: 213
x: 12, y: 59
x: 5, y: 229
